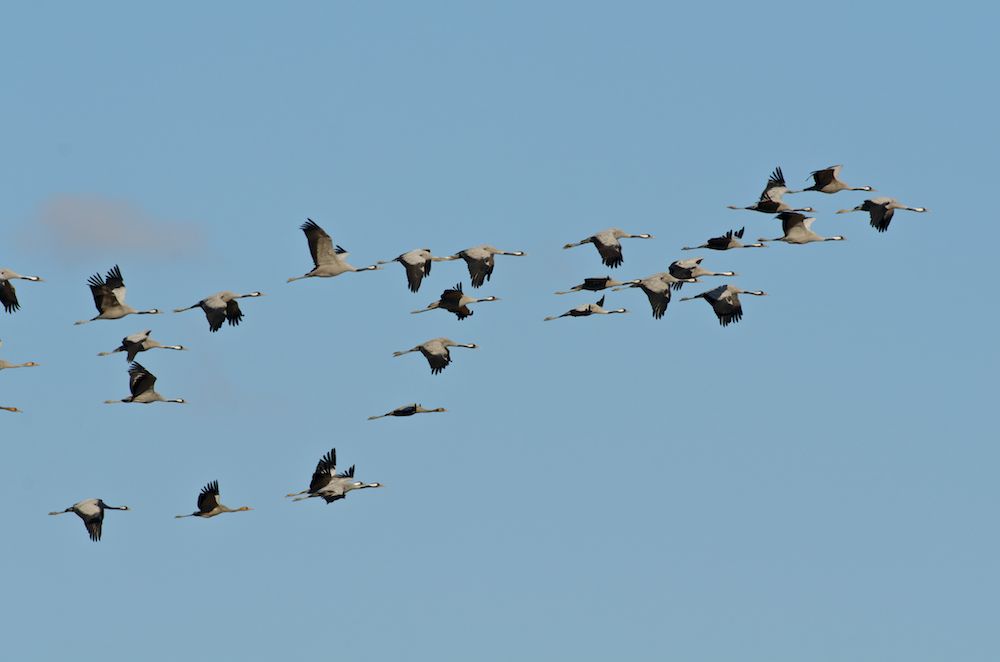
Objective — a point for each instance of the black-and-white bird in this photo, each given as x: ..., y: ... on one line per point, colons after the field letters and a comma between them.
x: 436, y: 352
x: 209, y: 504
x: 417, y: 264
x: 608, y: 245
x: 328, y: 259
x: 91, y: 511
x: 8, y: 295
x: 726, y: 242
x: 408, y: 410
x: 329, y: 485
x: 828, y: 180
x: 141, y: 383
x: 109, y: 297
x: 770, y: 199
x: 221, y: 307
x: 139, y: 342
x: 594, y: 285
x: 880, y: 211
x: 657, y: 289
x: 480, y: 261
x: 797, y: 229
x: 455, y: 301
x: 587, y: 310
x: 725, y: 301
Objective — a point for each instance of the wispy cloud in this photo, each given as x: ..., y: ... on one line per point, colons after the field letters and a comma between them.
x: 82, y: 227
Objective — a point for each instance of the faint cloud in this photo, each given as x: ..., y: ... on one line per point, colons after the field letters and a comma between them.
x: 78, y: 227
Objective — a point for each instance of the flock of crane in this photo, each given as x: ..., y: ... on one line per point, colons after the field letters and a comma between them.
x: 329, y: 260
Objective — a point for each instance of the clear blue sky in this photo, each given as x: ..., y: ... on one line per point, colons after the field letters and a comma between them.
x: 815, y: 483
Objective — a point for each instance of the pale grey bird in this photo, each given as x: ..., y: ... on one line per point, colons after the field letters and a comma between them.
x: 140, y: 383
x: 726, y: 242
x: 828, y: 180
x: 725, y: 301
x: 329, y: 485
x: 682, y: 270
x: 328, y: 260
x: 417, y: 264
x: 109, y: 297
x: 209, y: 504
x: 657, y: 289
x: 221, y: 307
x: 880, y: 211
x: 8, y: 295
x: 436, y: 352
x: 408, y: 410
x: 607, y: 244
x: 594, y: 285
x: 797, y: 229
x: 455, y: 301
x: 770, y: 199
x: 587, y: 310
x: 91, y: 511
x: 139, y: 342
x: 480, y: 260
x: 4, y: 365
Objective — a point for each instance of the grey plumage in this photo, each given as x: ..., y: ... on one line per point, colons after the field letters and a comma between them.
x: 797, y: 229
x: 109, y: 297
x: 139, y: 342
x: 725, y: 302
x: 770, y: 201
x: 221, y: 307
x: 329, y: 485
x: 587, y: 310
x: 8, y: 294
x: 480, y: 261
x: 91, y: 511
x: 608, y: 245
x: 329, y: 259
x: 140, y: 384
x: 436, y: 352
x: 881, y: 210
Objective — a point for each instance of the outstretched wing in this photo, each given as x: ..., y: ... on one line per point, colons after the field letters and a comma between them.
x: 93, y: 525
x: 480, y: 270
x: 104, y: 298
x: 727, y: 308
x: 140, y: 380
x: 611, y: 253
x: 8, y: 296
x: 325, y: 469
x: 347, y: 474
x: 596, y: 284
x: 208, y: 499
x: 233, y: 313
x: 658, y: 301
x: 320, y: 244
x: 114, y: 282
x: 791, y: 220
x: 880, y: 216
x: 415, y: 273
x: 775, y: 186
x: 438, y: 361
x: 825, y: 176
x: 452, y: 296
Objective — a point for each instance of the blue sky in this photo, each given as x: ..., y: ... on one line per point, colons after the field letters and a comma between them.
x: 816, y: 482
